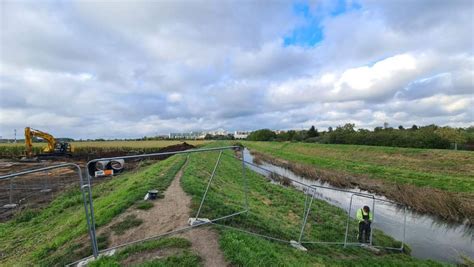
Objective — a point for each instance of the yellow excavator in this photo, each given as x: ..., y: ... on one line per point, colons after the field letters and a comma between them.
x: 53, y: 149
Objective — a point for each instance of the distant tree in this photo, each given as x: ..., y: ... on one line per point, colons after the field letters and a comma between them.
x: 430, y: 136
x: 349, y: 127
x: 262, y: 135
x: 312, y: 132
x: 451, y: 134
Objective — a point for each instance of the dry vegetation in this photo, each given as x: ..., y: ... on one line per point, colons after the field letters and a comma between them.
x: 82, y: 149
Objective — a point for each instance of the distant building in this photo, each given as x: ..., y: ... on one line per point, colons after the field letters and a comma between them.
x: 190, y: 135
x: 241, y: 134
x: 218, y: 132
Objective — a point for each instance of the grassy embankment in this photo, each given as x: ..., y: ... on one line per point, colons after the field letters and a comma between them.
x: 91, y: 147
x: 277, y: 211
x: 47, y: 237
x: 57, y: 234
x: 402, y: 174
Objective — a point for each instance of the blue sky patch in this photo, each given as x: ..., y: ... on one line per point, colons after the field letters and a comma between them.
x: 311, y: 32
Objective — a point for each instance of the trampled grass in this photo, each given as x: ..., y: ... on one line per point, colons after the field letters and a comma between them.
x: 442, y: 169
x: 182, y: 258
x: 144, y: 205
x: 277, y: 212
x: 128, y: 222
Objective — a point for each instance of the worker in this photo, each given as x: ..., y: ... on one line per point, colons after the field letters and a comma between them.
x: 365, y: 217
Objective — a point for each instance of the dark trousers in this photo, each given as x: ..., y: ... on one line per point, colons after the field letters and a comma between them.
x: 364, y: 232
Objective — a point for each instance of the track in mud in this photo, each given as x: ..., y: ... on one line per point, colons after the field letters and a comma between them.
x: 171, y: 213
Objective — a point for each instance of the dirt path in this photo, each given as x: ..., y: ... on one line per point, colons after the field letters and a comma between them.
x: 170, y: 213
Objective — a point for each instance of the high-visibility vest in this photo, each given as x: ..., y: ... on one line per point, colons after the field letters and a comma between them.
x: 361, y: 215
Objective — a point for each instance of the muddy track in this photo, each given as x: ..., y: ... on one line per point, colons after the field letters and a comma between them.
x: 170, y: 213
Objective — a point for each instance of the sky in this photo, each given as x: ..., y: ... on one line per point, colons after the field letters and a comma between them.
x: 125, y: 69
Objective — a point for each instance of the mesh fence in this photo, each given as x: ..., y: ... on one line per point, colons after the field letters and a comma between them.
x: 33, y: 191
x: 217, y: 187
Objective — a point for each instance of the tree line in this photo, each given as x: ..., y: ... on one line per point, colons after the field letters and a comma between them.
x: 429, y: 136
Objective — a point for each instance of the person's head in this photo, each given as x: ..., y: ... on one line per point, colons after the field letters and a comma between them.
x: 366, y: 209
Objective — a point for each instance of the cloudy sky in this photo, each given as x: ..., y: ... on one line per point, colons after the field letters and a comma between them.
x: 132, y: 68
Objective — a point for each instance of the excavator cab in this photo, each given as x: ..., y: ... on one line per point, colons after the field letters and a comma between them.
x: 63, y: 148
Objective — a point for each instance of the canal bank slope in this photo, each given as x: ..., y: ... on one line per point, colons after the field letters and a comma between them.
x: 276, y: 212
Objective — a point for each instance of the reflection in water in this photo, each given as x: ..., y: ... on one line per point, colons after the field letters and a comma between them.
x: 428, y: 237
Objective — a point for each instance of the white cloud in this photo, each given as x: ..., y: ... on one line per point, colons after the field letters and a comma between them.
x: 112, y: 69
x: 379, y: 81
x: 174, y: 97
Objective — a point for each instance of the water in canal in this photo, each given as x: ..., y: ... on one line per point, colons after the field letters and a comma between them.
x: 428, y: 237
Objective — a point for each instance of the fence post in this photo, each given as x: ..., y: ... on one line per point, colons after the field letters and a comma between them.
x: 348, y: 219
x: 404, y: 227
x: 373, y: 220
x: 244, y: 177
x: 92, y: 224
x: 307, y: 210
x: 11, y: 193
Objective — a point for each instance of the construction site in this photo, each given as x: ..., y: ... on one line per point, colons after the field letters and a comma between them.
x: 33, y: 191
x: 188, y: 199
x: 236, y: 133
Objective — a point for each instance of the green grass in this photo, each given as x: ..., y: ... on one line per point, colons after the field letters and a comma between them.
x: 130, y: 221
x: 277, y: 212
x: 49, y: 237
x: 442, y: 169
x: 144, y: 205
x: 183, y: 258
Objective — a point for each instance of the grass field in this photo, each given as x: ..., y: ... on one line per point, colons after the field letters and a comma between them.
x: 276, y: 211
x: 442, y: 169
x: 17, y: 150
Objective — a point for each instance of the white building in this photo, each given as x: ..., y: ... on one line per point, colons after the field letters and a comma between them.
x: 190, y: 135
x: 218, y: 132
x: 241, y: 134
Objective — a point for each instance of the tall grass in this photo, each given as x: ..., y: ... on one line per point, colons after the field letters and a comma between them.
x: 446, y: 170
x: 9, y: 150
x: 446, y: 205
